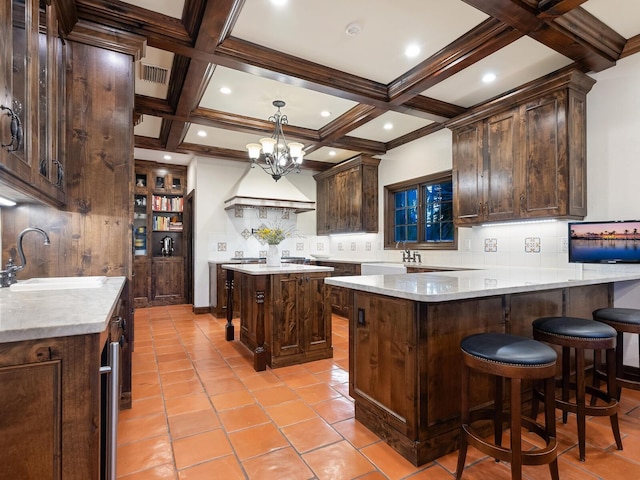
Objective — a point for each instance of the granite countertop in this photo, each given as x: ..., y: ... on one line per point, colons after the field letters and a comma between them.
x: 263, y: 269
x: 458, y: 285
x: 31, y: 315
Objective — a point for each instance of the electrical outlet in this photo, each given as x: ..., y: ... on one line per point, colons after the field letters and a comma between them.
x: 564, y: 245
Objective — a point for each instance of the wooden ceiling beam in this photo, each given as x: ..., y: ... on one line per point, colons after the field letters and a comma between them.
x: 571, y: 40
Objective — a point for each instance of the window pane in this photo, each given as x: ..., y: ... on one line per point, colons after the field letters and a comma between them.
x: 412, y: 197
x: 412, y: 233
x: 400, y: 234
x: 401, y: 199
x: 401, y: 217
x: 412, y: 216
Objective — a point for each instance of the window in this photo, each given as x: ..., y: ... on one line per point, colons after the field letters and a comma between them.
x: 419, y: 212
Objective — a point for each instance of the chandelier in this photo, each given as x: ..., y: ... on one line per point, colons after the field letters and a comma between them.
x: 274, y: 155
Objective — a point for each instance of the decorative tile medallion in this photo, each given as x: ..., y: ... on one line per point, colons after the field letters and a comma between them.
x: 246, y: 233
x: 238, y: 254
x: 285, y: 253
x: 532, y: 245
x: 490, y: 245
x: 222, y: 246
x: 353, y: 246
x: 285, y: 214
x: 367, y: 246
x: 340, y: 247
x: 320, y: 247
x: 299, y: 246
x: 239, y: 212
x: 262, y: 212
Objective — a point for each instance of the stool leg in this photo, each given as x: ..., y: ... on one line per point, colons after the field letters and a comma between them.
x: 464, y: 417
x: 580, y: 405
x: 611, y: 387
x: 619, y: 362
x: 566, y: 373
x: 597, y: 365
x: 516, y: 430
x: 550, y: 420
x: 498, y: 411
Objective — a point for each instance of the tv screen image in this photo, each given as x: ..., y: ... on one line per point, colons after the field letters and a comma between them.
x: 604, y: 242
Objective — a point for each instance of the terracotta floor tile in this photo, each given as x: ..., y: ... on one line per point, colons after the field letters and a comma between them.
x: 317, y: 393
x: 357, y: 434
x: 226, y: 468
x: 243, y: 417
x: 143, y: 455
x: 259, y: 440
x: 566, y: 470
x: 235, y: 399
x: 279, y: 465
x: 187, y: 403
x: 335, y: 410
x: 334, y: 376
x: 487, y: 469
x: 291, y: 412
x: 604, y: 464
x: 343, y: 389
x: 180, y: 389
x: 200, y: 448
x: 275, y: 395
x: 311, y: 434
x: 143, y: 407
x: 177, y: 376
x: 175, y: 365
x: 161, y: 472
x: 432, y: 472
x: 261, y: 381
x: 320, y: 366
x: 339, y: 461
x: 137, y: 428
x: 298, y: 380
x: 290, y: 370
x: 390, y: 462
x: 193, y: 422
x: 222, y: 385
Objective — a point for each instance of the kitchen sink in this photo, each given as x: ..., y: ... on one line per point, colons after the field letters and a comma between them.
x: 383, y: 268
x: 58, y: 283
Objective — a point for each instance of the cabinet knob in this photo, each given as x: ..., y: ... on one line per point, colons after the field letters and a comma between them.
x: 523, y: 199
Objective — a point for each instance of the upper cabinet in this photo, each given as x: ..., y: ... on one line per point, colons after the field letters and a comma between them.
x: 525, y: 160
x: 32, y: 93
x: 347, y: 197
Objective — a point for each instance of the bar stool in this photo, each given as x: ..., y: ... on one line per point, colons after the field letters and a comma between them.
x: 581, y: 334
x: 623, y: 320
x: 516, y: 358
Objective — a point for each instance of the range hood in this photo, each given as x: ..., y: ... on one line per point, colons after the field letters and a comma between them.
x: 256, y: 189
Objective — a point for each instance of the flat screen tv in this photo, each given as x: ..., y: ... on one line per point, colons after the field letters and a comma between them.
x: 604, y: 242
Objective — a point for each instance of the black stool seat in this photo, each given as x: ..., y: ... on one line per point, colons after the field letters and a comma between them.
x: 624, y: 320
x: 508, y: 349
x: 619, y: 315
x: 504, y: 356
x: 581, y: 334
x: 574, y: 327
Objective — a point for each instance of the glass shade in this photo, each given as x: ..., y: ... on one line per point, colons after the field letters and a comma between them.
x: 254, y: 150
x: 268, y: 145
x: 295, y: 149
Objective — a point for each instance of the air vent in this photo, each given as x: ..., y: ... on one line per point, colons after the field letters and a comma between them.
x: 153, y: 73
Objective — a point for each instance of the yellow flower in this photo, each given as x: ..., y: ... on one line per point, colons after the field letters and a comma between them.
x: 273, y: 236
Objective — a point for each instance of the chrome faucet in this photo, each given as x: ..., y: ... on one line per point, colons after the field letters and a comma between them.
x: 8, y: 275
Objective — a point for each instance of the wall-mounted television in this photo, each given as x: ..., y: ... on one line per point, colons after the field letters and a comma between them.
x: 604, y: 242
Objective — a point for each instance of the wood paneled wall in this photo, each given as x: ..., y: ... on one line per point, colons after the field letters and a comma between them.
x: 91, y: 235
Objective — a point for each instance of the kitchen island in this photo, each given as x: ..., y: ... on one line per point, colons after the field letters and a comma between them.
x: 404, y: 335
x: 53, y: 399
x: 284, y: 318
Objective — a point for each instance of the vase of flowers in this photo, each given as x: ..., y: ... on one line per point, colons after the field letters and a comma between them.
x: 273, y: 237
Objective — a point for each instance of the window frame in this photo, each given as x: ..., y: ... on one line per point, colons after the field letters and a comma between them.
x: 389, y: 209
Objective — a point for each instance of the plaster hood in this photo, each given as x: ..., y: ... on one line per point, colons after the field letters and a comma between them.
x: 256, y: 189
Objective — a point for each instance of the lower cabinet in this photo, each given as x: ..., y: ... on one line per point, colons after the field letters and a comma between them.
x: 167, y: 280
x: 295, y: 326
x: 141, y: 281
x: 50, y: 400
x: 338, y: 297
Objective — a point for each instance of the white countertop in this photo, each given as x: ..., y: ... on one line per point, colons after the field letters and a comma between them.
x: 458, y: 285
x: 263, y: 269
x: 30, y: 315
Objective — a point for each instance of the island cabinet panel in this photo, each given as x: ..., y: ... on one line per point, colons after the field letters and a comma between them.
x: 290, y: 311
x: 406, y: 365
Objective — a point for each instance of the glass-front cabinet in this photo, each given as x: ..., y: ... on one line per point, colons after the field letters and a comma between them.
x: 32, y: 100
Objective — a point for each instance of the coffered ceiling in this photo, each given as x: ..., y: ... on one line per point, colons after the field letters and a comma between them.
x: 346, y: 58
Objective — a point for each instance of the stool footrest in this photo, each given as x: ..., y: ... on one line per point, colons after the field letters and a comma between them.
x: 539, y: 456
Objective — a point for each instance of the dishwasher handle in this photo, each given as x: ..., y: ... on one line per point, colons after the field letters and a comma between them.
x: 113, y: 407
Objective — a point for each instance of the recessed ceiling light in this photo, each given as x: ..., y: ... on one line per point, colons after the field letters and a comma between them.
x: 279, y: 3
x: 489, y: 77
x: 325, y: 113
x: 412, y: 50
x: 167, y: 157
x: 202, y: 133
x: 332, y: 153
x: 5, y: 202
x: 353, y: 29
x: 225, y: 90
x: 388, y: 126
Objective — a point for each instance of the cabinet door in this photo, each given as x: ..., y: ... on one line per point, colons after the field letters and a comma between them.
x: 352, y: 194
x: 141, y: 284
x: 468, y: 202
x: 501, y: 167
x: 31, y: 440
x: 167, y: 280
x: 544, y: 185
x: 316, y: 321
x: 288, y: 314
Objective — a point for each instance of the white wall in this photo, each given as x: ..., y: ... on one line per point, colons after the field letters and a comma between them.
x: 613, y: 152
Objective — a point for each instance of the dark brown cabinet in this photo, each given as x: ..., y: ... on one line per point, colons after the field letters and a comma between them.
x: 339, y: 297
x: 159, y: 243
x: 347, y: 197
x: 526, y: 160
x: 297, y: 326
x: 32, y: 93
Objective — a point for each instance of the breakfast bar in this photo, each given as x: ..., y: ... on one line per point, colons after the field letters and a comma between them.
x: 283, y: 317
x: 405, y: 331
